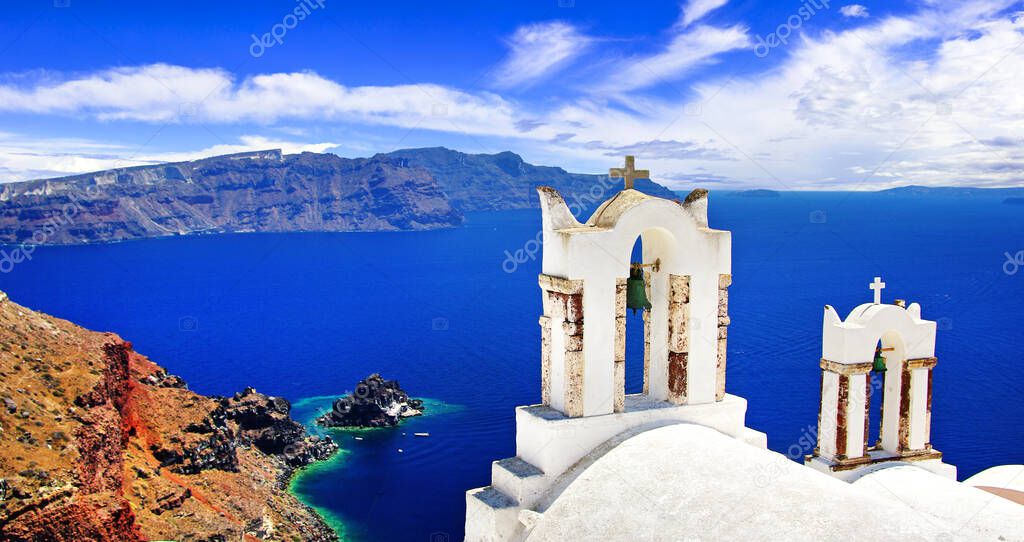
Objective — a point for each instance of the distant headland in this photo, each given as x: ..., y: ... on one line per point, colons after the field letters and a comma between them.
x: 267, y: 191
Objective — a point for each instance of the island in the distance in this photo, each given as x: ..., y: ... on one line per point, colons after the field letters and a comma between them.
x: 268, y: 191
x: 376, y: 402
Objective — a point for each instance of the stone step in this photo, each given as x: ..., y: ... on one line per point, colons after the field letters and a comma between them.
x: 491, y: 516
x: 520, y: 480
x: 754, y: 437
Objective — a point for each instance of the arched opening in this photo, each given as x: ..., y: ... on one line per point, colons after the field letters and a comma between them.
x: 886, y: 394
x: 876, y: 392
x: 636, y: 328
x: 641, y: 337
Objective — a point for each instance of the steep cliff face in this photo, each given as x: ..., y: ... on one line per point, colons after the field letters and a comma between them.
x: 410, y: 189
x: 99, y: 443
x: 252, y: 192
x: 492, y: 182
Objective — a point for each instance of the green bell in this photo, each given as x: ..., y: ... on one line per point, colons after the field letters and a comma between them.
x: 879, y: 365
x: 636, y: 291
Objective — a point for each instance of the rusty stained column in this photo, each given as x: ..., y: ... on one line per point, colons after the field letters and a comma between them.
x: 678, y: 340
x: 647, y: 338
x: 909, y: 404
x: 841, y: 416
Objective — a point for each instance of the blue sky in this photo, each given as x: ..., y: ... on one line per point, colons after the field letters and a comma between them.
x: 790, y: 95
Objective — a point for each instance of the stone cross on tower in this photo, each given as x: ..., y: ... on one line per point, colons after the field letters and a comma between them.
x: 877, y: 286
x: 628, y: 173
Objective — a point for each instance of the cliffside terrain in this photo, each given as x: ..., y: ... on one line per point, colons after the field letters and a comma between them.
x: 251, y: 192
x: 99, y: 443
x: 266, y: 191
x: 494, y: 182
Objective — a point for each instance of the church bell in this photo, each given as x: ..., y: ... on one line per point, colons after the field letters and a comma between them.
x: 879, y: 364
x: 636, y: 291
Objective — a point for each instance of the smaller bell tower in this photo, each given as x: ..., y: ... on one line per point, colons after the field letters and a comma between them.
x: 880, y: 349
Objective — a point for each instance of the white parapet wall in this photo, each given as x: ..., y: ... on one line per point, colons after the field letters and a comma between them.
x: 553, y: 442
x: 552, y: 448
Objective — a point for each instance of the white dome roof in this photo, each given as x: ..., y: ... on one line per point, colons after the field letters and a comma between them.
x: 689, y: 482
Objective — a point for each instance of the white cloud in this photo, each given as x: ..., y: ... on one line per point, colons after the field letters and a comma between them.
x: 23, y: 158
x: 687, y: 50
x: 162, y: 93
x: 694, y: 10
x: 929, y: 97
x: 538, y: 50
x: 854, y: 10
x: 880, y: 105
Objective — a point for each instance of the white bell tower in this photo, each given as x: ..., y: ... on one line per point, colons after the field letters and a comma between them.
x: 584, y: 408
x: 904, y: 345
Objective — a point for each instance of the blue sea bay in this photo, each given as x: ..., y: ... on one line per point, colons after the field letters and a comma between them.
x: 307, y: 315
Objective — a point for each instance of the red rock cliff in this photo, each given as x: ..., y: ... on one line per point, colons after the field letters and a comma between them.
x: 99, y: 443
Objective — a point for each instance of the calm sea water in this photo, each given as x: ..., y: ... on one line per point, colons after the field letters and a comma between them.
x: 308, y: 315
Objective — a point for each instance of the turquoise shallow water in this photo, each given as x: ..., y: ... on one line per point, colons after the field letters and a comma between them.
x: 309, y: 315
x: 321, y: 485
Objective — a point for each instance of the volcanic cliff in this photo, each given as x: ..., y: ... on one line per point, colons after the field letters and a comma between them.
x: 251, y: 192
x: 99, y: 443
x: 265, y: 191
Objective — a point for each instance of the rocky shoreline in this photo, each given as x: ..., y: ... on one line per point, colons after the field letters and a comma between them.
x: 99, y: 443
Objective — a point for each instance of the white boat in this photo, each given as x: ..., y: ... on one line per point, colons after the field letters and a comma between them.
x: 421, y: 434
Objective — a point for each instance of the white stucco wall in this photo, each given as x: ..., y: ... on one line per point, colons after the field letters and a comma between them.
x: 854, y: 340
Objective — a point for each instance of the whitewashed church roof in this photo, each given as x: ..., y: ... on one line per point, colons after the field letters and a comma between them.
x: 688, y: 482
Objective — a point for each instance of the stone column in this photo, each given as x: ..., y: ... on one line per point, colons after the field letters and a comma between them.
x: 841, y: 427
x: 647, y: 338
x: 867, y: 415
x: 563, y: 307
x: 915, y: 405
x: 724, y: 281
x: 678, y: 341
x: 545, y: 355
x: 620, y: 346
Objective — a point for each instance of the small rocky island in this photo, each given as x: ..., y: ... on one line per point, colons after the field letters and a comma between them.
x: 374, y: 403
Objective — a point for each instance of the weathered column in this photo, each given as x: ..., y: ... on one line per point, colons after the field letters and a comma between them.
x: 545, y: 355
x: 841, y: 427
x: 647, y: 338
x: 620, y: 346
x: 678, y: 341
x: 915, y: 405
x: 563, y: 359
x: 867, y: 414
x: 724, y: 281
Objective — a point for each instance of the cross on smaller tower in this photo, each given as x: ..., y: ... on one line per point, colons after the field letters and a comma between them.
x: 628, y: 173
x: 877, y: 286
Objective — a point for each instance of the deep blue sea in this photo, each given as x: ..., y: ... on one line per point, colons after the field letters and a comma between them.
x: 307, y: 315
